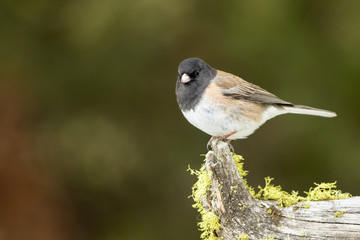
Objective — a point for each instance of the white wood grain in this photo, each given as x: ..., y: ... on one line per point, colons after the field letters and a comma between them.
x: 300, y: 221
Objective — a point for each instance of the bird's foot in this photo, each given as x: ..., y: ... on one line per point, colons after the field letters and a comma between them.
x: 221, y: 138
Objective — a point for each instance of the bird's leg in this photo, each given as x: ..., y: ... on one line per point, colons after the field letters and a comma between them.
x: 229, y: 134
x: 229, y: 140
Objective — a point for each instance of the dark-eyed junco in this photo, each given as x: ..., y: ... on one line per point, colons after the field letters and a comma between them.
x: 226, y: 106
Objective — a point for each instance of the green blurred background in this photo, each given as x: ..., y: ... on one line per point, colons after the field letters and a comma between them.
x: 92, y: 143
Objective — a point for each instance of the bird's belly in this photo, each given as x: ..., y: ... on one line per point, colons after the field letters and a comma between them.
x: 216, y: 121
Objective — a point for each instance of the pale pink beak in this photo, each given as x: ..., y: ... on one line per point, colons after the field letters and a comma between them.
x: 185, y: 78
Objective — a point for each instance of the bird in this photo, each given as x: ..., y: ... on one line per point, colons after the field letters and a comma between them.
x: 225, y: 106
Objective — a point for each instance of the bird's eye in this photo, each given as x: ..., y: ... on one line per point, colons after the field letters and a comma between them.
x: 194, y: 74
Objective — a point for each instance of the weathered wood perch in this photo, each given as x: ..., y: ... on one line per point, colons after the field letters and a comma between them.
x: 243, y: 217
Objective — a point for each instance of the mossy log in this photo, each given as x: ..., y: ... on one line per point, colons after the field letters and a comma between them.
x: 241, y: 216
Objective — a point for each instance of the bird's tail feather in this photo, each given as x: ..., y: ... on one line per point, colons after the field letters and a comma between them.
x: 299, y: 109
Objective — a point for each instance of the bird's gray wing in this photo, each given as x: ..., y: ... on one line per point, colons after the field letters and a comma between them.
x: 238, y: 88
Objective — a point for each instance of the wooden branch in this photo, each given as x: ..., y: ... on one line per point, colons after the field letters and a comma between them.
x: 240, y: 215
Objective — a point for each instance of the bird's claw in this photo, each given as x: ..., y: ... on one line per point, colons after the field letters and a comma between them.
x: 208, y: 145
x: 230, y: 146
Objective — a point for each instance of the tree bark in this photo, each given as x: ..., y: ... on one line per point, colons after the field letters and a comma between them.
x: 242, y: 215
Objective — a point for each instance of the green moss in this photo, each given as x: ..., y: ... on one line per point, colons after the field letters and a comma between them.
x: 242, y: 206
x: 243, y: 237
x: 269, y: 238
x: 325, y: 191
x: 339, y: 214
x: 322, y: 191
x: 271, y: 192
x: 239, y: 161
x: 210, y: 224
x: 209, y: 221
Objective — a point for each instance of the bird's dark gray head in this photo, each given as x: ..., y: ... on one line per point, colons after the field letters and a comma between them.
x: 194, y: 76
x: 195, y: 69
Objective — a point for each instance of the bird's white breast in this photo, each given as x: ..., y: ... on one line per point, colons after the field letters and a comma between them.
x: 221, y: 119
x: 215, y: 120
